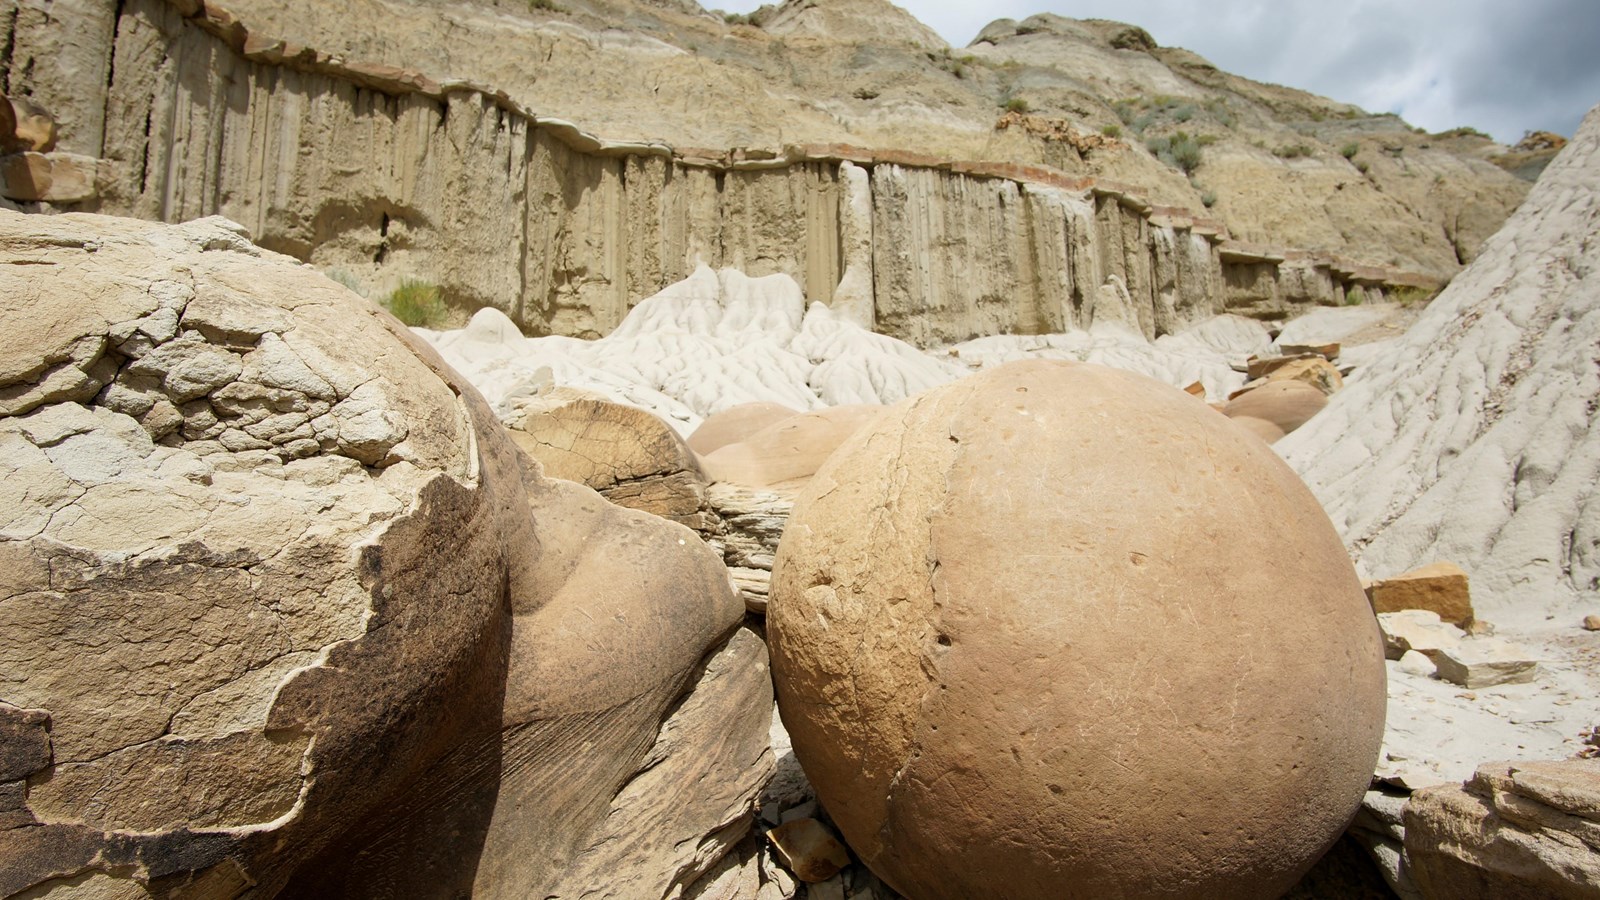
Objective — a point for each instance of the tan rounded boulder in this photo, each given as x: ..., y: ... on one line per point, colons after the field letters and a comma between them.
x: 1286, y: 405
x: 736, y: 423
x: 788, y: 450
x: 631, y: 456
x: 1030, y: 640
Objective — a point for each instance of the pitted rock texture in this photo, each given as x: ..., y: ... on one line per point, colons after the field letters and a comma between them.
x: 284, y: 604
x: 1026, y: 644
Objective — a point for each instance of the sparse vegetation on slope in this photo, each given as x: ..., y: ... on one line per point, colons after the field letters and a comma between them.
x: 417, y: 303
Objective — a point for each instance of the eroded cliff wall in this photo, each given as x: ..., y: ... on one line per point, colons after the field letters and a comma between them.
x: 181, y: 112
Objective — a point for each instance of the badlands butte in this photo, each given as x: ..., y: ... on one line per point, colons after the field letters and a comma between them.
x: 562, y: 165
x: 753, y: 509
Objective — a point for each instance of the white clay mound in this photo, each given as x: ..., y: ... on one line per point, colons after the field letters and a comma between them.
x: 720, y: 339
x: 1471, y: 439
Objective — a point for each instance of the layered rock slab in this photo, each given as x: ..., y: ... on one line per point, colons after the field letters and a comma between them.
x: 284, y: 603
x: 1514, y: 830
x: 1013, y: 661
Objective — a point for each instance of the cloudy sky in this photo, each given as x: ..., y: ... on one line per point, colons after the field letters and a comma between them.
x: 1503, y: 68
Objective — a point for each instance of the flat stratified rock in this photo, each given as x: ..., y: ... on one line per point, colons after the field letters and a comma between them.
x: 1417, y: 630
x: 1515, y: 830
x: 1484, y: 662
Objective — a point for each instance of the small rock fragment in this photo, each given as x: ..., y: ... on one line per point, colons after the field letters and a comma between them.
x: 1414, y: 662
x: 810, y: 850
x: 1484, y: 663
x: 1591, y: 623
x: 1416, y: 629
x: 831, y: 889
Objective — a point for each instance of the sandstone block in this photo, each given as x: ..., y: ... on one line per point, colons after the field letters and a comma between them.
x: 1440, y: 587
x: 48, y: 177
x: 1328, y: 351
x: 630, y: 456
x: 961, y: 620
x: 1312, y: 370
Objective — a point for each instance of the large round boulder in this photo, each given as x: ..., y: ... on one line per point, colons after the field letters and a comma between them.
x: 1057, y: 630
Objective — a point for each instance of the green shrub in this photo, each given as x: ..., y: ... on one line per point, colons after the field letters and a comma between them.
x: 1181, y: 151
x: 1292, y: 151
x: 1352, y: 296
x: 1408, y: 296
x: 1218, y: 108
x: 1363, y: 166
x: 1206, y: 140
x: 1015, y: 105
x: 1348, y: 151
x: 1209, y: 198
x: 545, y: 6
x: 417, y: 303
x: 1183, y: 112
x: 1125, y: 111
x: 1111, y: 131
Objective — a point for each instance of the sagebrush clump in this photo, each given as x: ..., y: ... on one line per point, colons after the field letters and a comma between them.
x: 1181, y: 151
x: 417, y: 303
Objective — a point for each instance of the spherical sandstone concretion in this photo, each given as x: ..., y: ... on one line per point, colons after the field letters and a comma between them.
x: 1060, y: 631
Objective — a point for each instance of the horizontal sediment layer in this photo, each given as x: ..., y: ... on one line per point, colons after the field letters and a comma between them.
x: 383, y: 173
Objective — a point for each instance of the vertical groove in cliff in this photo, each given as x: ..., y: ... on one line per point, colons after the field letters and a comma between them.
x: 8, y: 48
x: 387, y: 176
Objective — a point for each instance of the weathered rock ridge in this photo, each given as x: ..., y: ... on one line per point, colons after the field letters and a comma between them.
x: 864, y: 72
x: 181, y: 109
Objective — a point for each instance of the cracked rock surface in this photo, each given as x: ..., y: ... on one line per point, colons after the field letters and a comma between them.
x: 995, y: 608
x: 283, y: 605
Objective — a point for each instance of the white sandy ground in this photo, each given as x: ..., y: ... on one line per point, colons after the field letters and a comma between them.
x: 719, y: 339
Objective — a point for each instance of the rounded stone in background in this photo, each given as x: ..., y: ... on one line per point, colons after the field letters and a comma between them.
x: 1285, y: 404
x: 735, y: 424
x: 1056, y: 630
